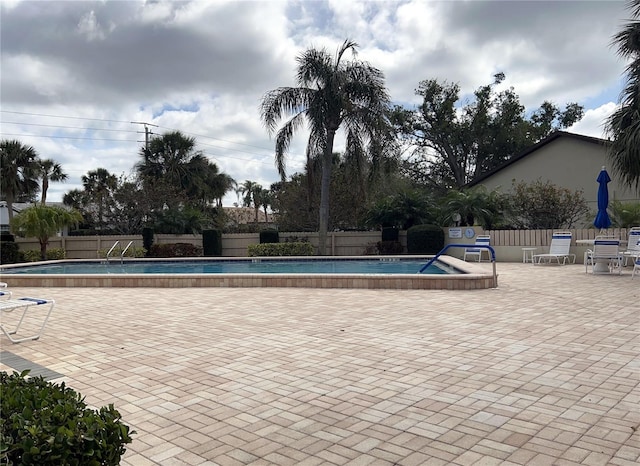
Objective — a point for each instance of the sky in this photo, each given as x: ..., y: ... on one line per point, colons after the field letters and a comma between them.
x: 77, y: 78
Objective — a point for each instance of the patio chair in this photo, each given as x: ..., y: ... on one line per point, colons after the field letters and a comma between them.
x: 559, y: 249
x: 24, y: 305
x: 636, y: 268
x: 633, y: 245
x: 484, y: 240
x: 606, y: 249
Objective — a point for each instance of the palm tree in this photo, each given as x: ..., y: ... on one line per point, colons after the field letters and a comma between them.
x: 331, y: 93
x: 173, y: 160
x: 623, y: 125
x: 42, y: 222
x: 100, y: 184
x: 251, y: 191
x: 18, y: 171
x: 265, y: 201
x: 50, y: 171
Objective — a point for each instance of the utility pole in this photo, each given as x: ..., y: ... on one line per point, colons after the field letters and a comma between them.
x: 147, y: 132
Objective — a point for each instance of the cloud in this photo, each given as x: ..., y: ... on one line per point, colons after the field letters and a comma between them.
x: 202, y: 67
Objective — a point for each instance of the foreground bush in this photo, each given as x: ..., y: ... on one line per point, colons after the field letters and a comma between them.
x: 50, y: 425
x: 281, y: 249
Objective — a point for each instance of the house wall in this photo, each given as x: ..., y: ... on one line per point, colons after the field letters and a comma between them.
x: 568, y: 162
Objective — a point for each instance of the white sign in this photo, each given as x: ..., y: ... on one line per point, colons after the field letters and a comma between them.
x: 455, y: 232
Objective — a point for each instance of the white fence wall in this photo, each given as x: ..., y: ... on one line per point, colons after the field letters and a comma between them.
x: 507, y: 243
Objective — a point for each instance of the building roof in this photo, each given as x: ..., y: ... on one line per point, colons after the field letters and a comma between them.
x: 552, y: 137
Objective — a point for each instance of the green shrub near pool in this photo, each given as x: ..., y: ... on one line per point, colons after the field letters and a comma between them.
x: 281, y: 249
x: 46, y: 424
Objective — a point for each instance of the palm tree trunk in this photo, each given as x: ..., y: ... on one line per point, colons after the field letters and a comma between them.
x: 9, y: 199
x: 43, y: 250
x: 327, y: 162
x: 45, y: 187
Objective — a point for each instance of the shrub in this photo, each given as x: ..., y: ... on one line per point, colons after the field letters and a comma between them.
x: 269, y: 236
x: 56, y: 254
x: 9, y: 252
x: 147, y: 239
x: 389, y: 247
x: 212, y: 243
x: 425, y: 239
x: 51, y: 255
x: 47, y: 424
x: 281, y: 249
x: 545, y: 205
x: 390, y: 234
x: 175, y: 250
x: 625, y: 214
x: 133, y: 251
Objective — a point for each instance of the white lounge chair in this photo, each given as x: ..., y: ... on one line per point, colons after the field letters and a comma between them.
x: 633, y: 245
x: 482, y: 240
x: 559, y: 249
x: 24, y: 305
x: 605, y: 249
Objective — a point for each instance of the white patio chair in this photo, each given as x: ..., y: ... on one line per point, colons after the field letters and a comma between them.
x: 605, y: 249
x: 559, y: 249
x: 633, y: 245
x: 636, y: 268
x: 484, y: 240
x: 24, y: 305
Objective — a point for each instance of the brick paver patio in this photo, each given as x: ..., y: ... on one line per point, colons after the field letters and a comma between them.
x: 543, y: 370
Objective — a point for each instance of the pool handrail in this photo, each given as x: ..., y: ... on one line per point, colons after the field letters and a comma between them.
x: 124, y: 251
x: 111, y: 250
x: 492, y: 252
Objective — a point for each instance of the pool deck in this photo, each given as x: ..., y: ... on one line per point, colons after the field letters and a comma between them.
x: 543, y: 370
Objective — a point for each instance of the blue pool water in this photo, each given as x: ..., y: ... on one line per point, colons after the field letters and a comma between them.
x: 248, y: 266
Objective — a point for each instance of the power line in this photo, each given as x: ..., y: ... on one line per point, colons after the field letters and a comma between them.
x: 62, y: 116
x: 129, y: 122
x: 66, y: 127
x: 65, y: 137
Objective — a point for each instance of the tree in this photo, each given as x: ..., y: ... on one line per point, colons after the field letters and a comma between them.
x: 42, y: 222
x: 18, y: 172
x: 251, y: 195
x: 544, y: 205
x: 99, y: 184
x: 330, y: 93
x: 49, y: 170
x: 475, y: 206
x: 623, y: 125
x: 173, y: 160
x: 455, y: 146
x: 265, y: 201
x: 402, y: 210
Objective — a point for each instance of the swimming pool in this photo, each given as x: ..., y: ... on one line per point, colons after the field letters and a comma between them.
x: 250, y: 266
x: 388, y: 272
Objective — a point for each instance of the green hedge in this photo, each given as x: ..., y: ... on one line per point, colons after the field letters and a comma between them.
x: 269, y: 236
x: 212, y: 243
x: 175, y: 250
x: 50, y: 425
x: 281, y: 249
x: 390, y: 234
x: 147, y: 239
x: 425, y: 239
x: 9, y: 252
x: 53, y: 254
